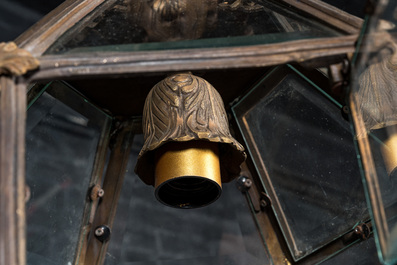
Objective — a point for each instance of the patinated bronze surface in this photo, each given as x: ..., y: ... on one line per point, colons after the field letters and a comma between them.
x: 376, y: 97
x: 166, y: 20
x: 378, y: 93
x: 12, y: 172
x: 184, y: 107
x: 15, y: 61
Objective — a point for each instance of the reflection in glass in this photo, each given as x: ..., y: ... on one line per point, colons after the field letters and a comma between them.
x: 146, y: 232
x: 60, y: 149
x: 373, y: 101
x: 303, y: 150
x: 136, y: 25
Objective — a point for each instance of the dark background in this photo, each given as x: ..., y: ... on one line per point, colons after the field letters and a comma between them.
x: 16, y: 16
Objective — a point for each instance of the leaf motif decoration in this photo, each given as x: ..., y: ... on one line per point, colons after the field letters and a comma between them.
x: 377, y: 95
x: 15, y: 61
x: 160, y: 114
x: 184, y: 107
x: 196, y: 111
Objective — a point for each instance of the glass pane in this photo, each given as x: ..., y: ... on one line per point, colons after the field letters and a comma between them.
x: 361, y: 253
x: 373, y: 102
x: 61, y: 145
x: 146, y: 232
x: 137, y: 25
x: 303, y: 150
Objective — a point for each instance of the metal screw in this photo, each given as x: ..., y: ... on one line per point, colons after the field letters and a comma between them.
x: 263, y: 204
x: 363, y: 231
x: 248, y: 183
x: 265, y: 201
x: 102, y: 233
x: 96, y: 192
x: 345, y: 112
x: 101, y: 192
x: 243, y: 183
x: 99, y: 231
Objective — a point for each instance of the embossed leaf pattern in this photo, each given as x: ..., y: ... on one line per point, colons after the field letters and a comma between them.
x: 183, y: 108
x: 15, y: 61
x: 378, y: 95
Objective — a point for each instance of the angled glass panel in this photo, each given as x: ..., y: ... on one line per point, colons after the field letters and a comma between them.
x: 303, y: 151
x: 146, y: 232
x: 139, y: 25
x: 62, y: 135
x: 361, y: 253
x: 373, y: 101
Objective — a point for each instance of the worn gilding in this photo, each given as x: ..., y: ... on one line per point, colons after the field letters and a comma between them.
x: 181, y: 108
x: 15, y: 61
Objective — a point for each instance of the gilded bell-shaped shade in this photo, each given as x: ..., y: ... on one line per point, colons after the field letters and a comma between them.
x: 188, y: 149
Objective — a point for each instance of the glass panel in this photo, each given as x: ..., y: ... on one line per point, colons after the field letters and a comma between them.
x: 61, y: 145
x: 362, y: 253
x: 303, y: 150
x: 373, y: 102
x: 146, y: 232
x: 137, y: 25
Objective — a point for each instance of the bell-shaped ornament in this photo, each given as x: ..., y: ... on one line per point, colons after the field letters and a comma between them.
x: 188, y: 150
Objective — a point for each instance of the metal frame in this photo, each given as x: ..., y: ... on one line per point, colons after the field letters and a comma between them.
x: 96, y: 250
x: 280, y: 227
x: 333, y: 16
x: 45, y: 33
x: 372, y: 39
x: 41, y: 35
x: 113, y: 63
x: 12, y: 171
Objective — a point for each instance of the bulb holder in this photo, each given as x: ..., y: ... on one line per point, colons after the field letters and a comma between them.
x: 187, y: 174
x: 188, y: 150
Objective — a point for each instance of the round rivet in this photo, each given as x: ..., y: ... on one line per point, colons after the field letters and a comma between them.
x: 101, y: 192
x: 244, y: 183
x: 363, y: 231
x: 102, y: 233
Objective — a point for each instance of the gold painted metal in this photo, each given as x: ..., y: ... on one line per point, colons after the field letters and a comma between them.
x: 389, y: 150
x: 187, y: 174
x: 195, y: 158
x: 15, y: 61
x: 185, y: 108
x: 389, y: 153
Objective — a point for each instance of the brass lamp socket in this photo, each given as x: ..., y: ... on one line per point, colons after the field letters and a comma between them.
x: 389, y: 152
x: 388, y: 149
x: 187, y: 138
x: 187, y: 174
